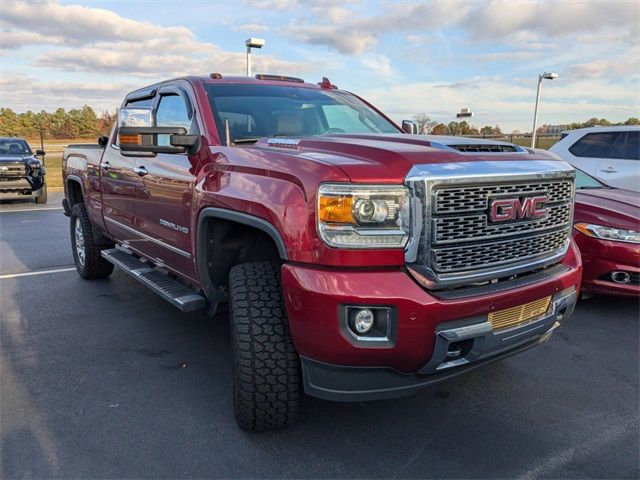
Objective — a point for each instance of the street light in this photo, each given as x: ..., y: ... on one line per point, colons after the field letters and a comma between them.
x: 252, y: 43
x: 545, y: 76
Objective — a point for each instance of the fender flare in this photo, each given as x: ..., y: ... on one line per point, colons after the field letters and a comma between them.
x: 233, y: 216
x: 78, y: 180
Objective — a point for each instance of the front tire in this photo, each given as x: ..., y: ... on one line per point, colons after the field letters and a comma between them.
x: 86, y: 254
x: 266, y: 366
x: 42, y: 198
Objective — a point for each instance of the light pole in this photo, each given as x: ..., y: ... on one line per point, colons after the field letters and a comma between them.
x: 252, y: 43
x: 544, y: 76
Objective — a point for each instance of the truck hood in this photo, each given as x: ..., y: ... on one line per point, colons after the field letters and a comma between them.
x: 612, y: 207
x: 382, y: 158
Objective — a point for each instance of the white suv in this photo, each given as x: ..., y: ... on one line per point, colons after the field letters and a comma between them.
x: 611, y: 154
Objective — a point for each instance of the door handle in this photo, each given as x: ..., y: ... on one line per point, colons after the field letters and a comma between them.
x: 141, y: 171
x: 609, y: 170
x: 106, y: 166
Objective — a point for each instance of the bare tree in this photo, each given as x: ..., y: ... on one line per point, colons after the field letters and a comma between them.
x: 424, y: 123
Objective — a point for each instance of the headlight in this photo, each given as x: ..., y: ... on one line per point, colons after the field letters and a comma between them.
x: 608, y: 233
x: 363, y: 216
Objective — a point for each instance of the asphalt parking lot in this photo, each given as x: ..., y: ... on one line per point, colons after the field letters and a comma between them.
x: 103, y: 379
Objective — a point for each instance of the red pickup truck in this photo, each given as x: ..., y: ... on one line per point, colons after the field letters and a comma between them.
x: 359, y: 261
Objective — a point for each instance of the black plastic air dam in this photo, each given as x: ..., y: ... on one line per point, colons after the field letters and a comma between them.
x: 359, y: 384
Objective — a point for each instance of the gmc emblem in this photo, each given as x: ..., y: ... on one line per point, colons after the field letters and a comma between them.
x: 515, y: 208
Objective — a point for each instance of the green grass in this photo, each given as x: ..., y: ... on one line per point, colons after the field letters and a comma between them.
x: 544, y: 142
x: 53, y: 164
x: 53, y: 159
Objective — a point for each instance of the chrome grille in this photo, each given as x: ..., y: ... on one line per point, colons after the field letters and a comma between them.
x: 466, y: 199
x: 477, y: 227
x: 455, y: 243
x: 12, y: 169
x: 497, y: 253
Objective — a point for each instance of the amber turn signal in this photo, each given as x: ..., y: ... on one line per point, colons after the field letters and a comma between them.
x: 336, y: 209
x: 133, y: 139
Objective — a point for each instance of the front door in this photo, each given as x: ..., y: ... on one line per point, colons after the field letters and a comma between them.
x: 163, y: 204
x: 120, y: 185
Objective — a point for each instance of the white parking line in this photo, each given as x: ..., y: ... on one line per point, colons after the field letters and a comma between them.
x: 30, y: 209
x: 41, y: 272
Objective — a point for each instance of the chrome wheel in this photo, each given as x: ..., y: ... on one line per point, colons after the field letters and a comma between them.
x: 80, y: 251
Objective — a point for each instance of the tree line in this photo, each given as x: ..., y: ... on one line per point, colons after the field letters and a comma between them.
x: 61, y: 124
x: 85, y: 123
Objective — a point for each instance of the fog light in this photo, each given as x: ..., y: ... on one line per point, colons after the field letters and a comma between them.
x: 364, y: 320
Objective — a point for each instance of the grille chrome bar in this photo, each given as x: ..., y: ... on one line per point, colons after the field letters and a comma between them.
x: 453, y: 242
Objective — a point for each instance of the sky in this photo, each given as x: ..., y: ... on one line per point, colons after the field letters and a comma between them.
x: 405, y: 57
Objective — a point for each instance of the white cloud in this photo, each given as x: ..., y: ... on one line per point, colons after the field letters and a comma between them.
x: 605, y: 68
x: 96, y: 40
x: 379, y: 64
x: 502, y: 18
x: 354, y: 34
x: 251, y: 28
x: 21, y: 93
x: 494, y: 100
x: 75, y: 24
x: 147, y: 59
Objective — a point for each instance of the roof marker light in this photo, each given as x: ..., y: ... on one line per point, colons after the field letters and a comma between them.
x: 326, y: 83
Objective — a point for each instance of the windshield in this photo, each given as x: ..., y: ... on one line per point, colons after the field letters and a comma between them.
x: 586, y: 181
x: 255, y: 111
x: 11, y: 147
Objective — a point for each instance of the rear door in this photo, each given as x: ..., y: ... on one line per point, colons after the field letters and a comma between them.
x: 120, y: 185
x: 621, y: 167
x: 163, y: 205
x: 590, y: 149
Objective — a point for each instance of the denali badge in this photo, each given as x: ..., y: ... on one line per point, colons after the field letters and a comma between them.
x: 516, y: 208
x: 173, y: 226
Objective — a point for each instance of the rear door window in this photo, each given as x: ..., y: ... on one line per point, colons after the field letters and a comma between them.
x: 594, y: 145
x: 627, y: 146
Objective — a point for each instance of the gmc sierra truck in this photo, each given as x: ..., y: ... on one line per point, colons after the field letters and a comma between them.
x: 359, y: 261
x: 22, y: 173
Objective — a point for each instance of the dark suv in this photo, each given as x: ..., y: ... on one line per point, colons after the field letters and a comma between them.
x: 21, y: 172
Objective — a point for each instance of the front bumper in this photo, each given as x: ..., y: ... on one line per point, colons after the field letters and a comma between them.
x: 340, y: 383
x: 424, y: 325
x: 601, y: 258
x: 12, y: 187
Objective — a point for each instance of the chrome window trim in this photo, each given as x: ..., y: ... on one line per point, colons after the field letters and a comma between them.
x: 421, y: 181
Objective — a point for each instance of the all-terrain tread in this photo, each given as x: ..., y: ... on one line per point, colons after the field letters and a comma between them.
x: 266, y: 364
x: 95, y: 266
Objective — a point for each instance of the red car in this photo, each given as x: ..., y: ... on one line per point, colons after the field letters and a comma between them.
x: 607, y: 231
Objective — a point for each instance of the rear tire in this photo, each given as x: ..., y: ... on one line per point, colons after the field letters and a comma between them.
x: 86, y: 254
x: 42, y: 198
x: 266, y: 366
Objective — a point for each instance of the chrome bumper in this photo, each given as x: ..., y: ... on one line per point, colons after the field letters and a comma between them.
x: 482, y: 342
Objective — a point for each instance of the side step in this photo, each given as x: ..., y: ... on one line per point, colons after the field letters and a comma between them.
x: 176, y: 293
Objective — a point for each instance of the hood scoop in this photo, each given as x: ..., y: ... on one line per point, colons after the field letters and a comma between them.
x: 483, y: 148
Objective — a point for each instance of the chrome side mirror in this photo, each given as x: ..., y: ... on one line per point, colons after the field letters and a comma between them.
x: 409, y: 127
